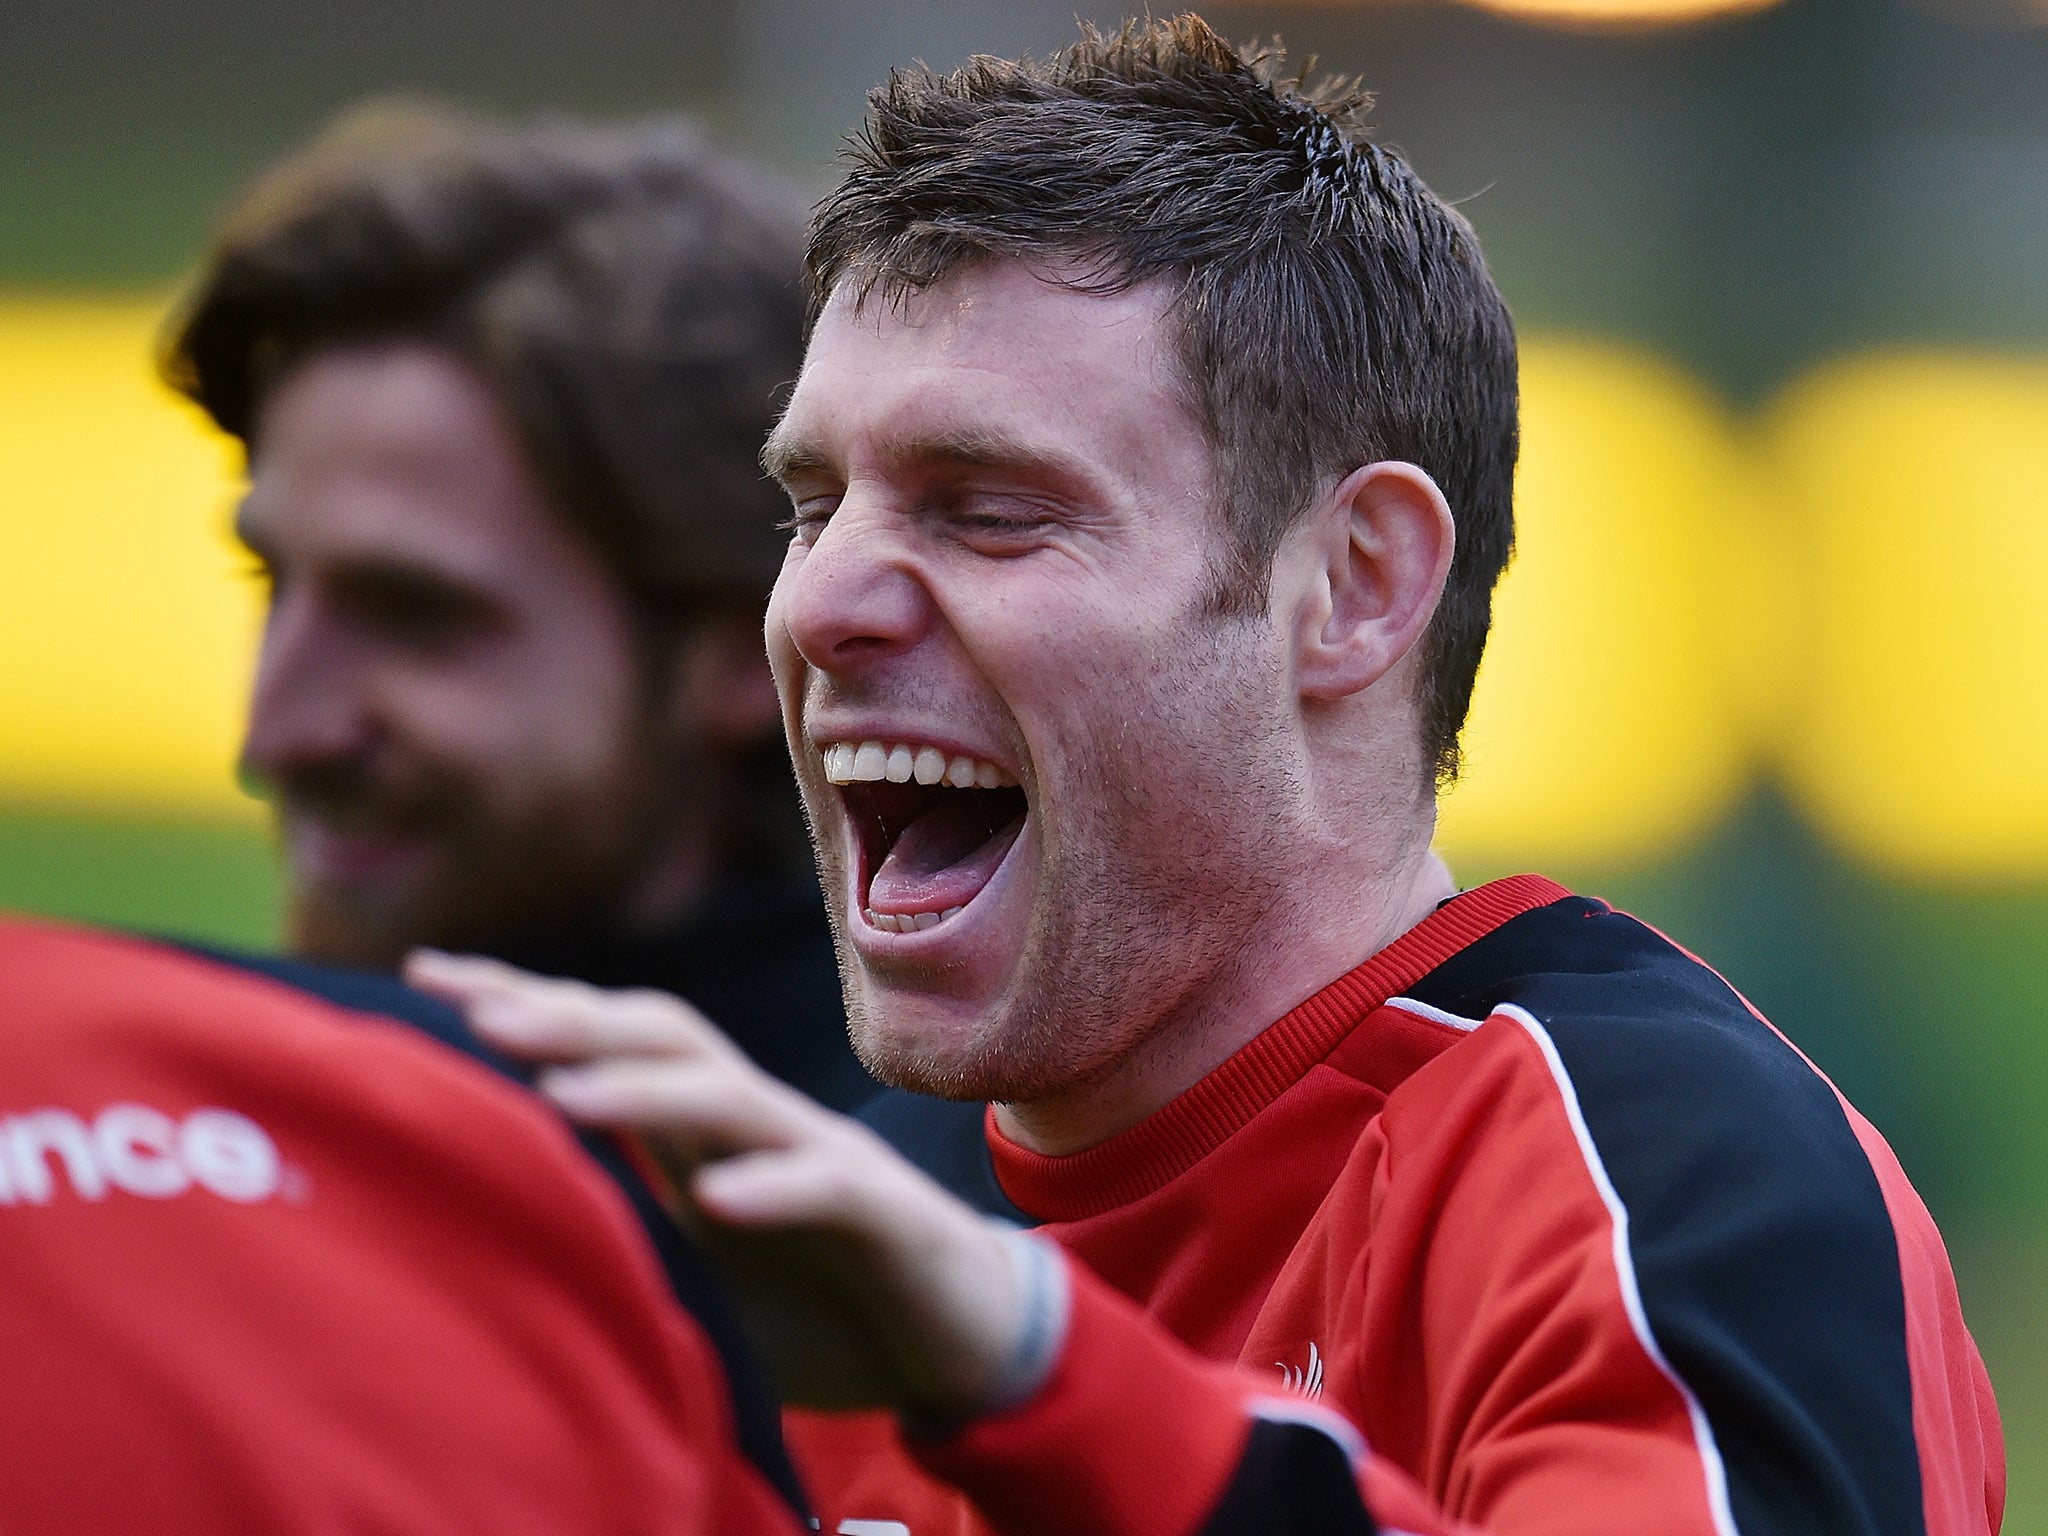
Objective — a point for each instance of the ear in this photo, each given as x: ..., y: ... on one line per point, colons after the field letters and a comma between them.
x: 723, y: 694
x: 1376, y: 551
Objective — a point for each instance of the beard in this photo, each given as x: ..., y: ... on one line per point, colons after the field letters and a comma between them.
x: 1157, y: 823
x: 487, y: 867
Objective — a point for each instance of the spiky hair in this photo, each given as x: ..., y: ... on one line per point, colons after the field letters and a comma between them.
x: 1333, y: 311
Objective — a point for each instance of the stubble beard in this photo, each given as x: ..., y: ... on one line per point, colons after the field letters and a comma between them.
x: 1146, y: 907
x: 495, y: 879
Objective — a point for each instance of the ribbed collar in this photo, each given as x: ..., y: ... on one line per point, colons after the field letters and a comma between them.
x: 1135, y: 1162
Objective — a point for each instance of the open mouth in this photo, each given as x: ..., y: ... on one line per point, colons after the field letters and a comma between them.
x: 933, y: 828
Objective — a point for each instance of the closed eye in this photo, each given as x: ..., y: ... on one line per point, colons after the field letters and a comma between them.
x: 808, y: 517
x: 1002, y: 523
x: 995, y: 523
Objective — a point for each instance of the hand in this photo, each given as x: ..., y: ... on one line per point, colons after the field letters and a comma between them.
x: 863, y: 1283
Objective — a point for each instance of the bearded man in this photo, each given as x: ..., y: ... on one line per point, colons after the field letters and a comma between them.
x: 503, y: 389
x: 1151, y: 464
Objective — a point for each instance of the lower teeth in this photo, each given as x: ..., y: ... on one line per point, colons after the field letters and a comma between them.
x: 909, y: 922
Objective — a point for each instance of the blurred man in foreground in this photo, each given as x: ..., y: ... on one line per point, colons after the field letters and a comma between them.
x: 503, y: 391
x: 273, y: 1264
x: 1151, y: 463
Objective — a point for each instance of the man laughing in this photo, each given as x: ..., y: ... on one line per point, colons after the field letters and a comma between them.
x: 1151, y: 467
x: 1004, y: 576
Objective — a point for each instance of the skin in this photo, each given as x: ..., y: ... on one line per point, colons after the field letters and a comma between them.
x: 1006, y: 545
x: 1006, y: 538
x: 450, y: 710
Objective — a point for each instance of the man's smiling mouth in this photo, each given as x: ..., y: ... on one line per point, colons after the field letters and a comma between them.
x: 932, y: 827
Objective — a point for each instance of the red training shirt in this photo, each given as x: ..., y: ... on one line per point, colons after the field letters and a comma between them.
x: 1538, y: 1204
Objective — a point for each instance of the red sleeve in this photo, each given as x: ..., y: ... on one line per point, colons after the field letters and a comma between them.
x: 1124, y: 1468
x: 1132, y: 1434
x: 1147, y: 1439
x: 1491, y: 1336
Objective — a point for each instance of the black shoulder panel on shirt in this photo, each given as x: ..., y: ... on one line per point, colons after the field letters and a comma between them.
x: 370, y: 992
x: 1292, y: 1480
x: 1764, y: 1252
x: 756, y: 1411
x: 946, y: 1139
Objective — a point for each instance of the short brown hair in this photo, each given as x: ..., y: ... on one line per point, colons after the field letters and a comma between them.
x: 632, y: 297
x: 1333, y: 310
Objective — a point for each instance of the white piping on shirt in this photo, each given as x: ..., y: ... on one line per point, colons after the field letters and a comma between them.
x: 1423, y: 1010
x: 1295, y: 1410
x: 1714, y: 1468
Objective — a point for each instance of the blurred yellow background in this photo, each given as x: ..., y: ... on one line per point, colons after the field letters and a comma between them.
x: 1844, y: 587
x: 126, y: 629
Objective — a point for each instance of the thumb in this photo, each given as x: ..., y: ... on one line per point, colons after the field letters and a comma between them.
x: 771, y: 1188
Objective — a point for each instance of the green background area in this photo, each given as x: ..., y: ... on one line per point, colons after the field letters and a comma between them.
x: 178, y: 879
x: 1747, y: 198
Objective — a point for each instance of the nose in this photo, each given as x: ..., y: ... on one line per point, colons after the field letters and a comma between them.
x: 307, y: 709
x: 856, y: 596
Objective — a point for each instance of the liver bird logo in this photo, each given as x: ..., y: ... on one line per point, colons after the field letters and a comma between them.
x: 1305, y: 1379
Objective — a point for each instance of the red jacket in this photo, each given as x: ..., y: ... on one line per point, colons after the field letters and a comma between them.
x: 272, y: 1265
x: 1540, y: 1206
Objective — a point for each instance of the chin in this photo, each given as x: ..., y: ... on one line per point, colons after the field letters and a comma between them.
x: 967, y: 1082
x: 343, y: 933
x: 372, y: 925
x: 918, y: 1043
x: 950, y: 1050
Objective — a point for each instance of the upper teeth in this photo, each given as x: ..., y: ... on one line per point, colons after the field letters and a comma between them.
x: 865, y: 762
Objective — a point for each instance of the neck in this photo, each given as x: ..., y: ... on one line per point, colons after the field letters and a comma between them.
x: 1326, y: 931
x: 682, y: 852
x: 670, y: 886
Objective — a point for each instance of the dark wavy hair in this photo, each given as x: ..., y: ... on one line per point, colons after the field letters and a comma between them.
x: 632, y: 297
x: 1333, y: 311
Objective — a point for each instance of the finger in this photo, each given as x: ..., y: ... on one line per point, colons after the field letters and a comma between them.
x: 687, y: 1111
x: 851, y: 1183
x: 570, y: 1022
x: 925, y: 1278
x: 457, y: 978
x: 549, y: 1019
x: 815, y: 1185
x: 780, y: 1188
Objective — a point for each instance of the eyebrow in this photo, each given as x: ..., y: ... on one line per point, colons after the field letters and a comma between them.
x: 378, y: 563
x: 783, y: 459
x: 789, y: 457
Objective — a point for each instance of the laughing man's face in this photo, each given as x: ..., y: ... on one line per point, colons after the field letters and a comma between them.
x: 1037, y: 759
